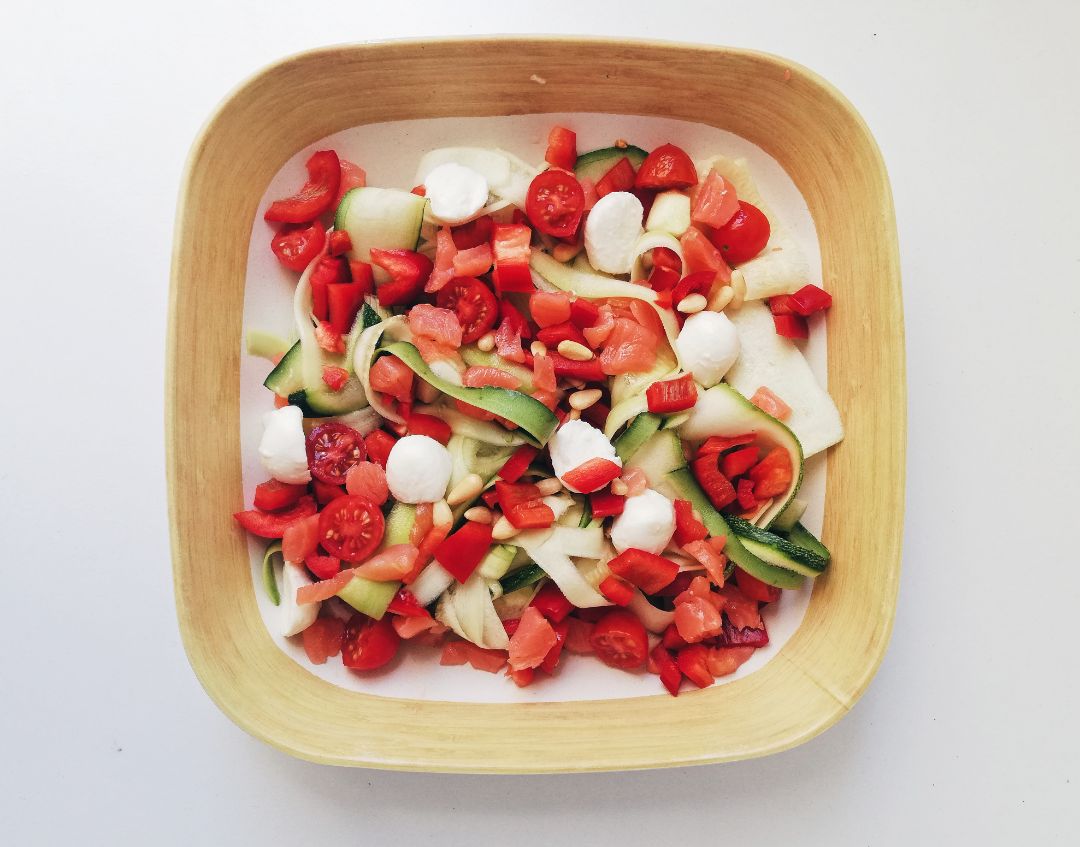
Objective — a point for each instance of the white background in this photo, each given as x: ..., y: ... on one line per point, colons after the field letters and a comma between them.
x: 969, y: 733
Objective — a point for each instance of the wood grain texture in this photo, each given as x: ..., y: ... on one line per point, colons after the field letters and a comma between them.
x: 829, y: 153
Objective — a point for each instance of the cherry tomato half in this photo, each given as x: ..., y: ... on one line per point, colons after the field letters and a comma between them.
x: 333, y: 450
x: 619, y: 640
x: 555, y: 203
x: 473, y: 303
x: 351, y: 528
x: 666, y: 167
x: 369, y: 644
x: 743, y: 236
x: 295, y: 245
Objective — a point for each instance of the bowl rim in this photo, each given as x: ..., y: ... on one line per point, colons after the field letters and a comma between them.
x: 831, y: 700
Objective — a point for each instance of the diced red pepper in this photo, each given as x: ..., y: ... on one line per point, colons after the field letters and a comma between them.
x: 693, y: 661
x: 324, y: 176
x: 671, y: 638
x: 647, y: 571
x: 584, y: 313
x: 551, y: 603
x: 418, y: 190
x: 362, y: 276
x: 604, y: 504
x: 523, y: 506
x: 664, y: 257
x: 339, y: 243
x: 687, y: 527
x: 334, y: 377
x: 551, y: 660
x: 717, y: 487
x: 510, y: 245
x: 327, y: 271
x: 344, y: 300
x: 590, y: 371
x: 616, y: 590
x: 379, y: 443
x: 781, y: 305
x: 738, y: 462
x: 592, y: 475
x: 699, y: 282
x: 429, y: 425
x: 272, y: 495
x: 408, y: 270
x: 716, y: 444
x: 461, y: 552
x: 619, y: 177
x: 667, y: 668
x: 663, y: 280
x: 553, y: 335
x: 772, y: 475
x: 325, y: 491
x: 518, y: 463
x: 490, y: 498
x: 562, y: 148
x: 406, y: 605
x: 672, y: 395
x: 791, y: 326
x: 754, y: 588
x: 809, y: 300
x: 473, y: 234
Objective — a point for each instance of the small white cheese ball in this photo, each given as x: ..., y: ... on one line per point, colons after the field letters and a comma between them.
x: 418, y: 469
x: 294, y: 618
x: 708, y: 346
x: 283, y: 449
x: 575, y: 443
x: 612, y: 230
x: 647, y: 523
x: 455, y: 192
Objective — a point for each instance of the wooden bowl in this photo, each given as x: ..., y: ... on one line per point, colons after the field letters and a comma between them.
x: 791, y: 113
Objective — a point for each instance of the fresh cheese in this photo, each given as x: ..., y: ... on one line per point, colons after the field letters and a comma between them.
x: 708, y: 346
x: 418, y: 469
x: 612, y: 230
x: 574, y: 444
x: 647, y: 523
x: 283, y: 449
x: 456, y: 193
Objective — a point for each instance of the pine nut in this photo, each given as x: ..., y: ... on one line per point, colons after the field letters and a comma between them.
x: 479, y: 514
x: 565, y: 252
x: 582, y: 400
x: 692, y: 304
x: 538, y: 348
x: 441, y: 514
x: 573, y: 415
x: 486, y: 342
x: 466, y: 490
x: 575, y: 351
x: 503, y: 529
x: 738, y: 285
x: 722, y: 298
x: 619, y: 487
x: 549, y: 486
x: 427, y: 392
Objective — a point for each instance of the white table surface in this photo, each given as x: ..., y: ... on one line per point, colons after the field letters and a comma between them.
x: 969, y: 733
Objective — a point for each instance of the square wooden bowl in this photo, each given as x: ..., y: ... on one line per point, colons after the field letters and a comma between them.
x: 791, y: 113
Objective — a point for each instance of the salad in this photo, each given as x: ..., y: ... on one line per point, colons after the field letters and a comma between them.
x: 533, y: 411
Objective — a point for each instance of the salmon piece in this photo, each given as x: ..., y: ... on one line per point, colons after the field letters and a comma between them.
x: 531, y: 641
x: 393, y: 563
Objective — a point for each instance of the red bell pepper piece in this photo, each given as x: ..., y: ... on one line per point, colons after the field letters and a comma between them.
x: 343, y: 301
x: 510, y: 245
x: 362, y: 276
x: 523, y: 506
x: 272, y: 495
x: 670, y: 675
x: 754, y: 588
x: 592, y: 475
x: 461, y: 552
x: 408, y: 271
x: 518, y: 463
x: 717, y: 487
x: 791, y: 326
x: 744, y: 493
x: 808, y: 300
x: 556, y: 333
x: 672, y: 395
x: 551, y: 603
x: 619, y: 177
x: 551, y: 660
x: 274, y: 524
x: 699, y: 282
x: 339, y: 243
x: 562, y: 148
x: 716, y: 444
x: 693, y: 661
x: 584, y: 313
x: 647, y: 571
x: 772, y: 475
x: 379, y: 444
x: 328, y: 270
x: 429, y: 425
x: 473, y: 234
x: 295, y: 245
x: 406, y: 605
x: 589, y: 371
x: 616, y: 590
x: 664, y: 280
x: 738, y: 462
x: 604, y: 504
x: 687, y: 527
x: 671, y: 638
x: 324, y: 176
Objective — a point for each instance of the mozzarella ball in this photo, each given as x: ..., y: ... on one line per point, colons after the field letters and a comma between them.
x: 455, y: 192
x: 283, y: 448
x: 612, y: 230
x: 574, y: 444
x: 708, y: 346
x: 418, y: 469
x: 647, y: 523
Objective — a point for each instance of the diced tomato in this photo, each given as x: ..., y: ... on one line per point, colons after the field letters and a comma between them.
x: 326, y: 272
x: 473, y: 262
x: 687, y: 527
x: 511, y: 248
x: 324, y: 567
x: 604, y: 504
x: 328, y: 338
x: 667, y: 668
x: 619, y: 177
x: 578, y: 633
x: 461, y: 552
x: 367, y: 479
x: 562, y: 148
x: 544, y: 374
x: 473, y: 303
x: 672, y: 395
x: 325, y: 492
x: 699, y: 254
x: 323, y: 639
x: 274, y: 524
x: 773, y: 474
x: 716, y: 486
x: 379, y: 444
x: 362, y: 275
x: 320, y: 190
x: 714, y: 561
x: 300, y: 539
x: 408, y: 270
x: 744, y: 494
x: 738, y: 462
x: 616, y: 590
x: 588, y: 188
x: 489, y: 661
x: 523, y: 677
x: 338, y: 243
x: 715, y: 202
x: 743, y: 236
x: 549, y: 308
x: 630, y: 348
x: 722, y: 661
x: 351, y: 528
x: 369, y: 644
x: 272, y: 495
x: 620, y: 640
x: 791, y: 326
x: 551, y: 660
x: 454, y: 653
x: 389, y: 565
x: 295, y: 245
x: 392, y: 376
x: 754, y: 588
x: 555, y: 203
x: 334, y: 377
x: 475, y: 233
x: 583, y: 313
x: 647, y: 571
x: 716, y: 444
x: 352, y: 176
x: 591, y: 475
x: 429, y: 425
x: 693, y: 661
x: 666, y: 167
x: 518, y: 463
x: 343, y: 300
x: 551, y: 603
x: 531, y: 641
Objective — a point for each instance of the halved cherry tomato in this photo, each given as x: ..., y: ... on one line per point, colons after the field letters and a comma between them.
x: 672, y: 395
x: 620, y: 640
x: 332, y: 450
x: 351, y: 528
x: 408, y: 270
x: 647, y: 571
x: 555, y: 203
x: 379, y: 444
x: 473, y: 303
x: 324, y: 176
x: 274, y: 524
x: 744, y: 235
x: 591, y: 475
x: 717, y: 487
x: 616, y: 590
x: 368, y: 644
x: 562, y: 148
x: 754, y: 588
x: 693, y: 661
x: 619, y: 177
x: 323, y: 639
x: 295, y: 245
x: 549, y: 308
x: 472, y: 234
x: 665, y: 167
x: 272, y: 495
